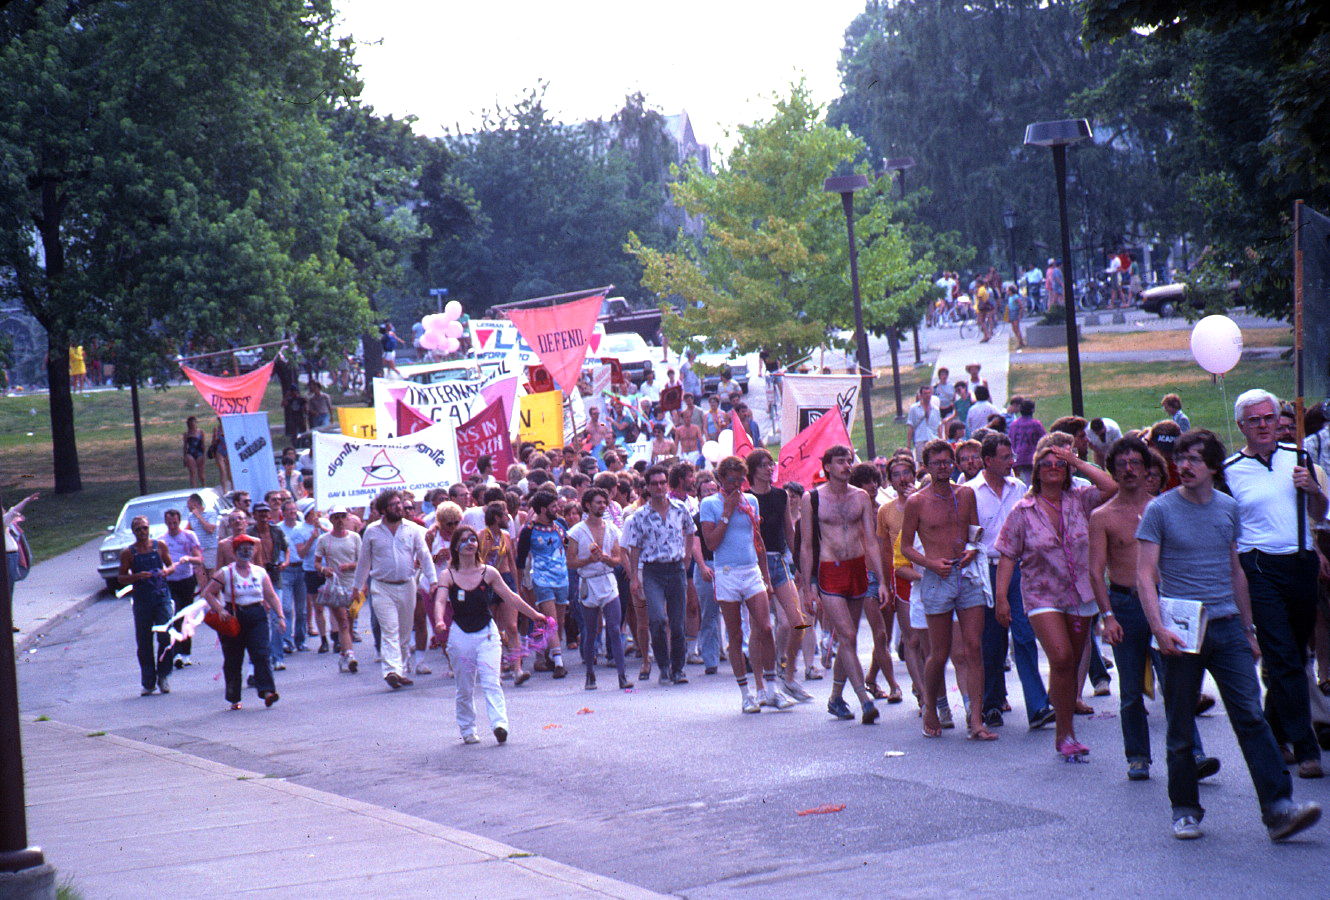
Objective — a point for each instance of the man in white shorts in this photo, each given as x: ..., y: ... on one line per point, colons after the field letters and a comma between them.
x: 730, y: 528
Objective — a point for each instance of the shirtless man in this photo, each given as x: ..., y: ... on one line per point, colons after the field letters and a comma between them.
x: 688, y: 432
x: 942, y: 515
x: 1113, y: 548
x: 597, y: 432
x: 661, y: 446
x: 840, y: 535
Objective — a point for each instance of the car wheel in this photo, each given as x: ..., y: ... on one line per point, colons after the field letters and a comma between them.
x: 1166, y: 311
x: 113, y: 584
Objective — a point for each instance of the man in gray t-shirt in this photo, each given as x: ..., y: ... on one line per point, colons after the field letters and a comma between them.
x: 1187, y: 548
x: 1195, y: 544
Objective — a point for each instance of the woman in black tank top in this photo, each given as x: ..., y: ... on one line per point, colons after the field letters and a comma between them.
x: 473, y: 643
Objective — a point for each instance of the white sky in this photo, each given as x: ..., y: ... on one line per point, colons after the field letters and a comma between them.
x: 445, y: 61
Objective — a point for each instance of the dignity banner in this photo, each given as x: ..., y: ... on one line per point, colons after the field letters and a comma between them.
x: 231, y: 396
x: 807, y: 397
x: 448, y: 402
x: 560, y: 335
x: 249, y: 448
x: 485, y: 435
x: 801, y: 459
x: 352, y: 472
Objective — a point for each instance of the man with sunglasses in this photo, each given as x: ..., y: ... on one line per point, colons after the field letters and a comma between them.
x: 1279, y: 498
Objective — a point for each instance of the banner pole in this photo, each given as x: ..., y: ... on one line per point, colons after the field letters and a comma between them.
x: 1298, y: 404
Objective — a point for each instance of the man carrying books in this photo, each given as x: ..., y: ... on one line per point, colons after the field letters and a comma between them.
x: 1188, y: 551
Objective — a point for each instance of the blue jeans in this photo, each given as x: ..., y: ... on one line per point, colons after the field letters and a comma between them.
x: 1283, y: 606
x: 253, y: 639
x: 708, y: 632
x: 1227, y: 656
x: 663, y: 584
x: 276, y: 637
x: 293, y: 588
x: 154, y: 660
x: 1132, y: 654
x: 1025, y: 652
x: 592, y: 620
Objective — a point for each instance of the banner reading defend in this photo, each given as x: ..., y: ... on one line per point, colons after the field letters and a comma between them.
x: 560, y: 335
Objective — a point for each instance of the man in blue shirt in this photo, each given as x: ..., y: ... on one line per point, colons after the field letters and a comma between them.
x: 545, y: 539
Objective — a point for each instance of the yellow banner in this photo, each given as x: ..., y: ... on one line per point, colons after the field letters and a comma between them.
x: 357, y: 421
x: 540, y: 419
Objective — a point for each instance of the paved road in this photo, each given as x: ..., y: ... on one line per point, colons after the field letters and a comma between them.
x: 671, y: 789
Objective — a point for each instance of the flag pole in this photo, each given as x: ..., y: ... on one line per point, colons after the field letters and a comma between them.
x: 1298, y: 404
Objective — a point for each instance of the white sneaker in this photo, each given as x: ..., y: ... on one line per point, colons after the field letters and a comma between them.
x: 1187, y: 829
x: 795, y: 690
x: 775, y: 699
x: 423, y: 669
x: 750, y: 704
x: 343, y: 662
x: 470, y: 739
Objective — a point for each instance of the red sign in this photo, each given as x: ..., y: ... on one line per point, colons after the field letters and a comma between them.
x: 232, y: 396
x: 410, y: 420
x: 801, y: 459
x: 485, y: 433
x: 743, y: 442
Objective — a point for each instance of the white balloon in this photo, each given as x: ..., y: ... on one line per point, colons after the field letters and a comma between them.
x: 452, y: 310
x: 1216, y: 344
x: 726, y: 441
x: 712, y: 452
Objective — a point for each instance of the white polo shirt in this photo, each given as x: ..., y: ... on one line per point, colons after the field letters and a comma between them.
x: 994, y: 509
x: 1267, y: 500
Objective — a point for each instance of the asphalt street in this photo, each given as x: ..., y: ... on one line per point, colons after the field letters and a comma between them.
x: 672, y: 789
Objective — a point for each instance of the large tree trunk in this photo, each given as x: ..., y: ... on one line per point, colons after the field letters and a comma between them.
x: 64, y: 450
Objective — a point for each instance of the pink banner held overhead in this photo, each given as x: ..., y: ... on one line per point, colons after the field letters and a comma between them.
x: 486, y: 433
x: 560, y: 335
x: 743, y: 441
x: 801, y: 459
x: 232, y: 396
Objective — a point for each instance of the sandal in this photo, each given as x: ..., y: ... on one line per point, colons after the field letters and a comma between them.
x: 876, y: 692
x: 932, y: 731
x: 981, y: 734
x: 895, y: 696
x: 1084, y: 709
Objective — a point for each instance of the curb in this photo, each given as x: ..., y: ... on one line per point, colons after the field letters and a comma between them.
x: 497, y: 851
x: 25, y: 639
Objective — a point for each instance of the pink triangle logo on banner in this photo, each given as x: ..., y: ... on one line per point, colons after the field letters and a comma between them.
x: 560, y: 335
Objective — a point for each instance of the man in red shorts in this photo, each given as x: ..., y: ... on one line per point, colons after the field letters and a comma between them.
x: 835, y: 559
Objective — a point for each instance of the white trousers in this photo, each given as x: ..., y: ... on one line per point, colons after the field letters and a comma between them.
x: 477, y: 654
x: 395, y: 608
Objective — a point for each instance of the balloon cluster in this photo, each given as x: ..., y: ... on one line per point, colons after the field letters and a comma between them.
x: 1216, y: 344
x: 723, y: 446
x: 443, y: 331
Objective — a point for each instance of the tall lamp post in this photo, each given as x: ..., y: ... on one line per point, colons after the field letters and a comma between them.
x: 899, y: 164
x: 846, y: 185
x: 1057, y: 136
x: 1009, y: 222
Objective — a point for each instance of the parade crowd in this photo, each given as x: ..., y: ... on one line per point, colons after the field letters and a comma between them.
x: 987, y: 539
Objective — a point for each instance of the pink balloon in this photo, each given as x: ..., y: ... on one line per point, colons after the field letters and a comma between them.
x: 432, y: 340
x: 453, y: 329
x: 452, y: 310
x: 434, y: 321
x: 451, y: 345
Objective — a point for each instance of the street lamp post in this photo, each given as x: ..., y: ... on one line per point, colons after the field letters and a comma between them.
x: 846, y: 185
x: 899, y: 164
x: 1057, y: 136
x: 1009, y: 222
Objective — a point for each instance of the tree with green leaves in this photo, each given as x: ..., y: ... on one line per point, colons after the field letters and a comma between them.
x: 772, y: 268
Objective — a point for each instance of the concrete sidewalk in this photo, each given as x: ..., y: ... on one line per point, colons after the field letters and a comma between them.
x: 55, y: 590
x: 120, y: 818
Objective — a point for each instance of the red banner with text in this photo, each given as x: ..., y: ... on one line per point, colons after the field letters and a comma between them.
x: 486, y: 433
x: 560, y: 335
x: 232, y: 396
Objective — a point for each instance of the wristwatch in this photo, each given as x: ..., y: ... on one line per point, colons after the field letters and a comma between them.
x: 1107, y: 614
x: 724, y: 520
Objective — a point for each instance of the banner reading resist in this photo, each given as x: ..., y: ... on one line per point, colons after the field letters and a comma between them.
x: 230, y: 396
x: 806, y: 397
x: 485, y: 435
x: 560, y: 335
x: 351, y: 472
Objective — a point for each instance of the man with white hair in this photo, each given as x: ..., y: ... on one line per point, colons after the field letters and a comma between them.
x: 1279, y: 496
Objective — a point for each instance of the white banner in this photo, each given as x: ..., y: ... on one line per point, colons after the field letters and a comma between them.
x: 351, y: 471
x: 448, y: 402
x: 249, y: 449
x: 493, y: 339
x: 808, y: 396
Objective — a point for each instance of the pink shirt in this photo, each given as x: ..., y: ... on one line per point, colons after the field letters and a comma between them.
x: 1055, y: 574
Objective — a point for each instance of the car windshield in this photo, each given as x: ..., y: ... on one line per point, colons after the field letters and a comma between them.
x: 155, y: 510
x: 623, y: 343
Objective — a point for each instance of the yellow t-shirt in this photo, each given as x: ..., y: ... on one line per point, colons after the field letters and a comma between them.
x: 890, y: 519
x: 78, y: 365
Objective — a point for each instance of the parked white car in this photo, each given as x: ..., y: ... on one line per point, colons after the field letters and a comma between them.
x: 154, y: 506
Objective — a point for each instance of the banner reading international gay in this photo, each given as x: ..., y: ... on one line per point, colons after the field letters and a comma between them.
x: 560, y: 335
x: 448, y: 402
x: 232, y: 396
x: 806, y: 397
x: 350, y: 471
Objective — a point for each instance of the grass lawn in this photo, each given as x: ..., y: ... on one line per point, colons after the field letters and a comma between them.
x: 105, y: 431
x: 1126, y: 392
x: 1178, y: 339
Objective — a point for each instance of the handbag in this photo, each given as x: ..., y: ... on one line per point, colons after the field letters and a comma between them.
x: 225, y: 627
x: 334, y: 595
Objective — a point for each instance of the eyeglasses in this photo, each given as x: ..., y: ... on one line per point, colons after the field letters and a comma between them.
x: 1052, y: 464
x: 1254, y: 421
x: 1192, y: 458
